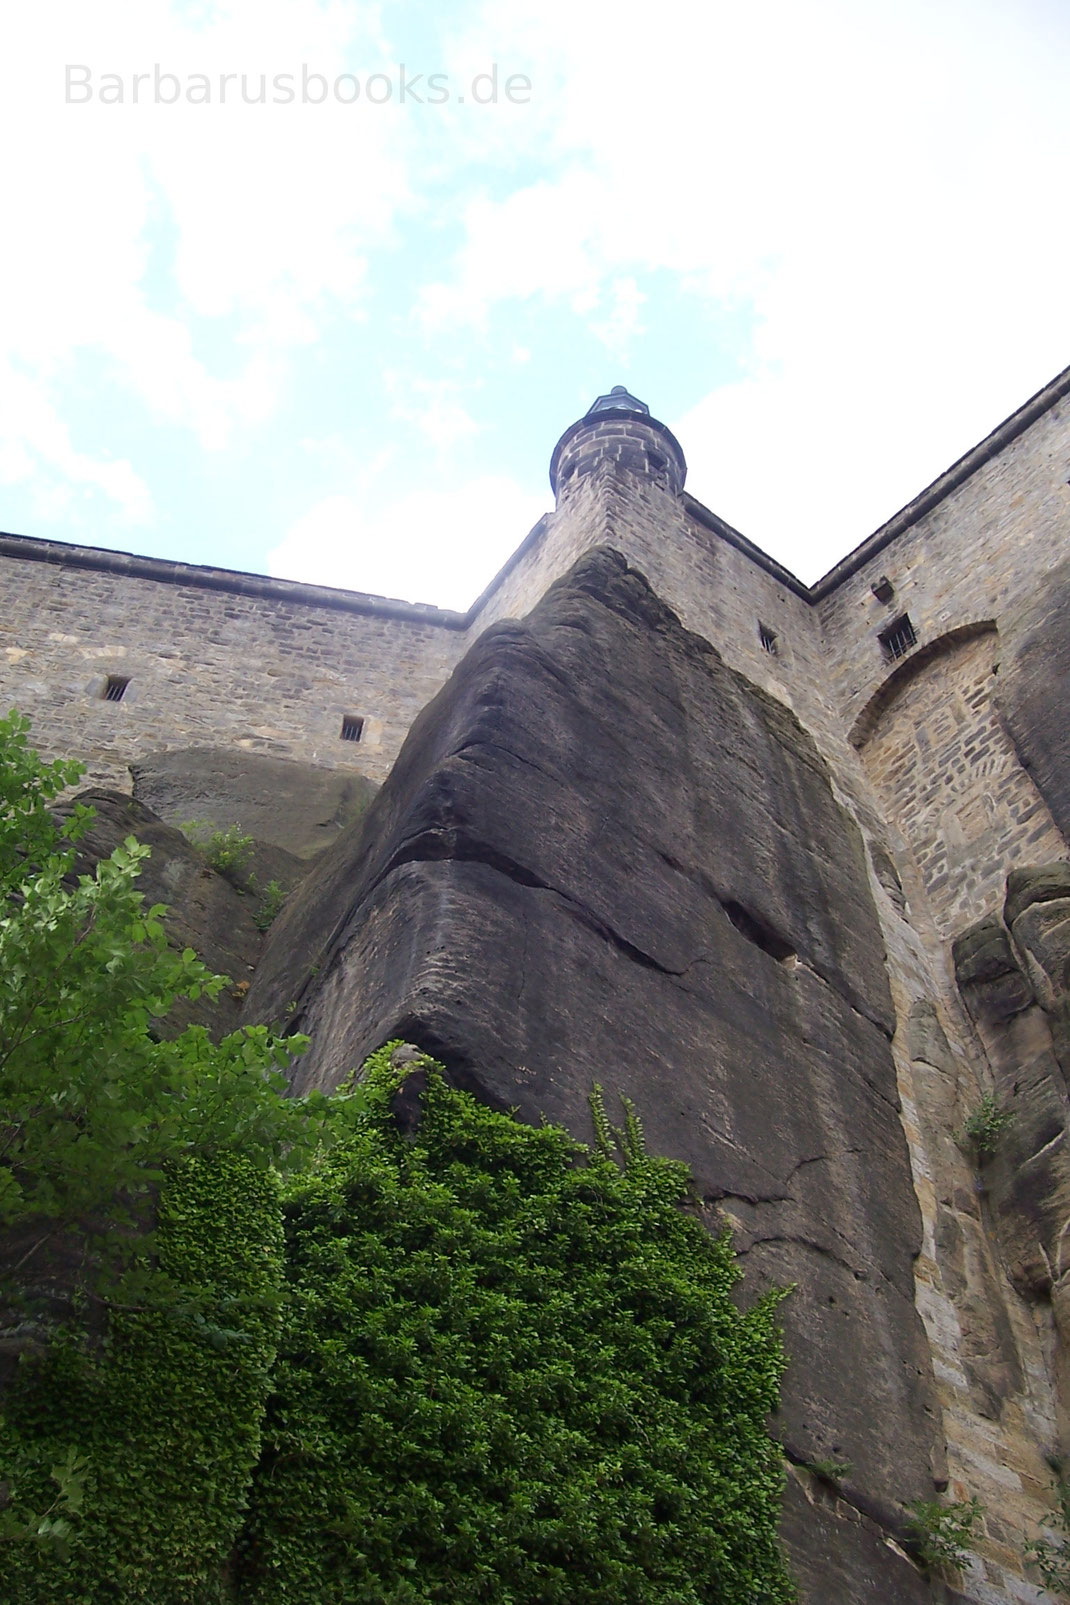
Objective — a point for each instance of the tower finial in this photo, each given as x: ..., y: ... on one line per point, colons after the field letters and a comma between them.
x: 619, y: 398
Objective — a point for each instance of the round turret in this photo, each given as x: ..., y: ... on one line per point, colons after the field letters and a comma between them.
x: 618, y: 428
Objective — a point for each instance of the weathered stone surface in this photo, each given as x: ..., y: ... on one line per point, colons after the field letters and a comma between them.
x: 841, y: 1556
x: 986, y: 1351
x: 605, y: 857
x: 927, y: 1041
x: 1028, y: 1174
x: 990, y: 978
x: 887, y: 874
x: 1036, y: 883
x: 295, y: 806
x: 1036, y: 660
x: 207, y: 913
x: 1042, y: 935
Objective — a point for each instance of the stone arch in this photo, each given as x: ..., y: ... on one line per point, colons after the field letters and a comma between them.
x: 934, y: 746
x: 890, y: 687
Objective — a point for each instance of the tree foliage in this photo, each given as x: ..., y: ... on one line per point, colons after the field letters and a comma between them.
x: 96, y: 1100
x: 123, y: 1422
x: 278, y: 1351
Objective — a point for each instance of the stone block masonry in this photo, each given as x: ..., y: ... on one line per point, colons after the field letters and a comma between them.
x: 209, y: 659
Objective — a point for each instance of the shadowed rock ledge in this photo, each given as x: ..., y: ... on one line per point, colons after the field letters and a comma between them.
x: 604, y: 856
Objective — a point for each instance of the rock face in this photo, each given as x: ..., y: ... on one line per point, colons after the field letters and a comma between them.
x: 207, y: 912
x: 1014, y: 976
x: 1036, y: 658
x: 284, y: 804
x: 603, y: 856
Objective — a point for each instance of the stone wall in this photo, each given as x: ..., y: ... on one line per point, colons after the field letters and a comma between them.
x: 949, y: 778
x: 972, y: 557
x: 219, y: 660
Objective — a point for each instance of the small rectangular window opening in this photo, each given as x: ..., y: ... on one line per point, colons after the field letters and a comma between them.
x: 883, y: 590
x: 898, y: 638
x: 768, y: 639
x: 352, y: 727
x: 115, y: 687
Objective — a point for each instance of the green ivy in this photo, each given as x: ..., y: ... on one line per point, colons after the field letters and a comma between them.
x: 473, y: 1362
x: 511, y: 1371
x: 164, y: 1417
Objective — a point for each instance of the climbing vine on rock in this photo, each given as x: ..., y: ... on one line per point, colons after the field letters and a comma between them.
x: 164, y: 1418
x: 511, y: 1370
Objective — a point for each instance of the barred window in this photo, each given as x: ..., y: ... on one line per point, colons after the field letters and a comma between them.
x: 898, y: 638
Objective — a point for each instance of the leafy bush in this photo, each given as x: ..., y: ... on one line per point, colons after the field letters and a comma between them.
x: 1051, y: 1556
x: 985, y: 1125
x: 508, y: 1370
x: 226, y: 851
x: 140, y: 1219
x: 268, y: 908
x: 511, y: 1370
x: 943, y: 1534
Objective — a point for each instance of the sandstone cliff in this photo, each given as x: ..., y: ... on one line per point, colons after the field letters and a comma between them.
x: 603, y: 856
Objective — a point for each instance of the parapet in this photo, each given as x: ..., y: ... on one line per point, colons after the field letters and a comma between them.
x: 618, y: 428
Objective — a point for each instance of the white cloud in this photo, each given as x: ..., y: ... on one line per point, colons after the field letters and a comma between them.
x: 878, y: 185
x: 37, y: 450
x: 453, y: 540
x: 267, y: 212
x: 433, y: 406
x: 619, y: 321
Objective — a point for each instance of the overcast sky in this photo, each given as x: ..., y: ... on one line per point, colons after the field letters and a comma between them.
x: 335, y: 337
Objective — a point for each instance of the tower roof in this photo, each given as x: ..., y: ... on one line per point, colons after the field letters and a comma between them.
x: 619, y: 400
x: 618, y: 426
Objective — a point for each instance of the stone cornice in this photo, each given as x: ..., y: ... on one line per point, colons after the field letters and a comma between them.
x: 201, y: 577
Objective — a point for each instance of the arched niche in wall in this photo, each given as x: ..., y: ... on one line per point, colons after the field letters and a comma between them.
x: 908, y: 668
x: 935, y: 748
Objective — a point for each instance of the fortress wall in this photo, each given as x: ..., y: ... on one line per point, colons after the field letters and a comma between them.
x: 949, y: 777
x: 718, y: 590
x: 927, y: 727
x: 270, y: 674
x: 984, y: 1341
x: 975, y: 555
x: 992, y: 1351
x: 958, y: 810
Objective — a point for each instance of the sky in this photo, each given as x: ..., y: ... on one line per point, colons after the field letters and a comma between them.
x: 329, y: 326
